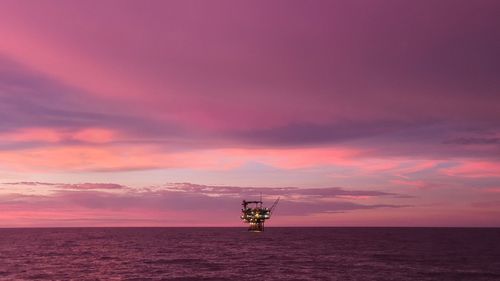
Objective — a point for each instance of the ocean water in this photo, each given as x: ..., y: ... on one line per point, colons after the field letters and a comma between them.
x: 235, y: 254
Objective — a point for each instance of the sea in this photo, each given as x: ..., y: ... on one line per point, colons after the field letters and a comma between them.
x: 300, y: 253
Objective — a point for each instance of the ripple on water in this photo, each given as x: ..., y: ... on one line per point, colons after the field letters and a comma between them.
x: 234, y: 254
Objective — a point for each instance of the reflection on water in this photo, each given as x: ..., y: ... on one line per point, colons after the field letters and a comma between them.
x: 234, y: 254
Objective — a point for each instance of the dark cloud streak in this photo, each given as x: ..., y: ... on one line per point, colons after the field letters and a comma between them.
x: 188, y: 197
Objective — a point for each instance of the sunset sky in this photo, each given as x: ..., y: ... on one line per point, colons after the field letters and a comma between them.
x: 169, y: 113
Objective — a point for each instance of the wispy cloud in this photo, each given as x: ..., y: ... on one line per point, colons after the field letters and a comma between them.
x: 183, y: 199
x: 474, y: 140
x: 237, y: 191
x: 77, y: 186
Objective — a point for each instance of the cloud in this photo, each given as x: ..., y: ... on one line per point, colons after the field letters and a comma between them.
x: 236, y: 191
x: 185, y: 200
x: 486, y: 204
x: 30, y: 183
x: 474, y: 169
x: 251, y: 83
x: 310, y: 133
x: 472, y: 141
x: 54, y: 136
x: 89, y: 186
x: 30, y: 99
x: 75, y: 186
x: 37, y: 110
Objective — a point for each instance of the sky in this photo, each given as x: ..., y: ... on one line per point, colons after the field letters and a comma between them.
x: 169, y: 113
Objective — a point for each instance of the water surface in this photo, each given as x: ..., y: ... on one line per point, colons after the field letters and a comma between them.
x: 234, y: 254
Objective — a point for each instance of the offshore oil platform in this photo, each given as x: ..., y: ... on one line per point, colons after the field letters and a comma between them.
x: 255, y: 214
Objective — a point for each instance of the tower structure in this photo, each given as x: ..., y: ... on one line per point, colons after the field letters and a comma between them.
x: 255, y: 214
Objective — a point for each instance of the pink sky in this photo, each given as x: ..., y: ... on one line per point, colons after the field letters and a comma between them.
x: 157, y: 113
